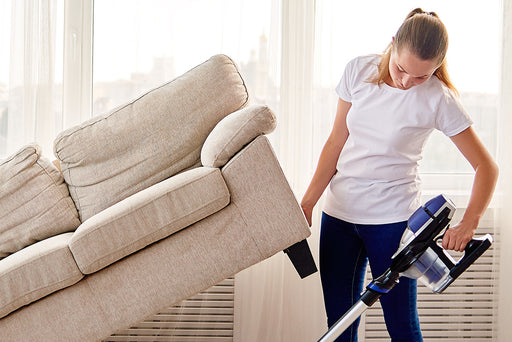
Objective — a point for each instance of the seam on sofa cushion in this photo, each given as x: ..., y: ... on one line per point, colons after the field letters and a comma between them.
x: 46, y: 171
x: 36, y: 148
x: 74, y: 280
x: 76, y: 198
x: 28, y: 263
x: 39, y: 256
x: 238, y: 155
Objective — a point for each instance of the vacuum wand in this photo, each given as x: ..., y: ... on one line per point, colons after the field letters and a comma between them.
x: 387, y: 280
x: 346, y: 320
x: 419, y: 256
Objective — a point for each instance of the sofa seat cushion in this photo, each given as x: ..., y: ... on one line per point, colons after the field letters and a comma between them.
x: 34, y: 201
x: 36, y: 271
x: 148, y: 216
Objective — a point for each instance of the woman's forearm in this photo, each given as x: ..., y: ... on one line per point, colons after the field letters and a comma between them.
x: 328, y: 160
x: 486, y: 176
x: 325, y: 170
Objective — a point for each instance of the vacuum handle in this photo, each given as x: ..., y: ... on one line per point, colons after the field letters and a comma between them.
x: 474, y: 249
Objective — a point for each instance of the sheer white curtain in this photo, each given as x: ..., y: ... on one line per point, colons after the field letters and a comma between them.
x: 505, y: 186
x: 31, y: 99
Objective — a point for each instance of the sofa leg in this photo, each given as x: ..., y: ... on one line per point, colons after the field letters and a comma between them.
x: 301, y: 258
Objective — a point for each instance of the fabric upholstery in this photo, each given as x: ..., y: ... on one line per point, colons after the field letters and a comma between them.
x: 115, y: 155
x: 234, y: 132
x: 36, y: 271
x: 265, y: 184
x: 259, y: 221
x: 148, y: 216
x: 34, y: 201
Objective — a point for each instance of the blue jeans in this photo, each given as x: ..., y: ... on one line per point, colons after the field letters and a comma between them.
x: 345, y: 249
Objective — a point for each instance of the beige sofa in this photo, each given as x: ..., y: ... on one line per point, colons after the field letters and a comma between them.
x: 157, y: 200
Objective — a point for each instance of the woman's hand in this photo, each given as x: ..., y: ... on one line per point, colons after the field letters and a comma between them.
x: 308, y: 212
x: 457, y: 237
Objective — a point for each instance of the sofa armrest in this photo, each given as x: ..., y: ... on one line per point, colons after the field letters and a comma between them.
x: 234, y: 132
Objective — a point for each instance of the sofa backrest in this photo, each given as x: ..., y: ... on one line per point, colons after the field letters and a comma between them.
x: 112, y: 156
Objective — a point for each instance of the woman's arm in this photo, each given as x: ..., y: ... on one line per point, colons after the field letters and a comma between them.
x: 328, y: 159
x: 486, y: 175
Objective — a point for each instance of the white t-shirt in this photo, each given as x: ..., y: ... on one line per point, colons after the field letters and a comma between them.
x: 377, y: 178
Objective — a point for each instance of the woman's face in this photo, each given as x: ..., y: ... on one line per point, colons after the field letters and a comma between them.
x: 407, y: 70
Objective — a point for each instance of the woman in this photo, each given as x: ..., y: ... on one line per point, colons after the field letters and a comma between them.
x: 388, y: 106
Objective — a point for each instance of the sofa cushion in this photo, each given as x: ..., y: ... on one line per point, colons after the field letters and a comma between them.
x: 234, y: 132
x: 36, y: 271
x: 115, y: 155
x: 148, y: 216
x: 34, y: 201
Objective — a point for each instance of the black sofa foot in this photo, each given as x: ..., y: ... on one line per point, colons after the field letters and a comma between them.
x: 301, y: 258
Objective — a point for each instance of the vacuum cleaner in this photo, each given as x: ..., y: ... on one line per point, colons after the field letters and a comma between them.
x: 419, y: 256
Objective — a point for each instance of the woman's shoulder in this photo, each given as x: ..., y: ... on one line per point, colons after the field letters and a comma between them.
x: 435, y: 87
x: 363, y: 66
x: 364, y: 61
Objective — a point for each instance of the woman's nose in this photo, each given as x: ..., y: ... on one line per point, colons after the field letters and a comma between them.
x: 407, y: 81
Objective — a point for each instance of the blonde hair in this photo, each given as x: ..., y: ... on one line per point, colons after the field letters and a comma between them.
x: 424, y: 34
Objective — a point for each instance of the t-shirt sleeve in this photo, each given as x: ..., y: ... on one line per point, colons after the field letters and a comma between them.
x: 451, y: 118
x: 344, y: 87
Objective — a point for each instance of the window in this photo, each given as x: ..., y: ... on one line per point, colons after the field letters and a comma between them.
x: 154, y: 41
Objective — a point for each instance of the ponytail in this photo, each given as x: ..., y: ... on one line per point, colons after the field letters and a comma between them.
x: 442, y: 74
